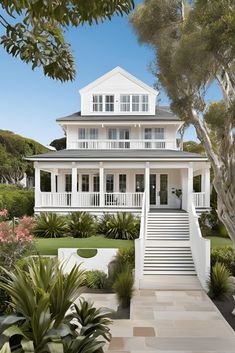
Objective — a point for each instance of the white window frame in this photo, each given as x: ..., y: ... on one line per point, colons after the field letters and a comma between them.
x: 144, y: 103
x: 109, y: 103
x: 125, y: 102
x: 97, y: 103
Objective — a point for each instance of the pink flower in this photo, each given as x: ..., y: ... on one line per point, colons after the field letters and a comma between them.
x: 4, y: 213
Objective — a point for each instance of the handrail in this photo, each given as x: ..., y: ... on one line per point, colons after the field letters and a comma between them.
x: 139, y: 243
x: 200, y: 248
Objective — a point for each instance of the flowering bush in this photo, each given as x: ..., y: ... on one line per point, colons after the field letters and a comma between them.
x: 3, y: 214
x: 15, y: 243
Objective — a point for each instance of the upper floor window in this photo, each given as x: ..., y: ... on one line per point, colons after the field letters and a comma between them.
x: 85, y: 134
x: 145, y: 103
x: 109, y: 103
x: 157, y: 133
x: 136, y: 103
x: 97, y: 103
x: 125, y: 105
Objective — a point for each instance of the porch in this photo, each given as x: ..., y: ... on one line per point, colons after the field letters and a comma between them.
x: 120, y: 187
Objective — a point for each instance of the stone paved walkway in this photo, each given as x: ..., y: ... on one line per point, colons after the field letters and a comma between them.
x: 169, y: 322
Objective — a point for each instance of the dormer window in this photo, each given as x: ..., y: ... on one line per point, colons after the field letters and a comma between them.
x: 140, y: 103
x: 125, y: 101
x: 109, y: 103
x: 136, y: 103
x: 97, y: 103
x: 145, y: 103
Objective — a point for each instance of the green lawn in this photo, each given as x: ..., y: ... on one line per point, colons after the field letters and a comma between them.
x: 50, y: 246
x: 219, y: 242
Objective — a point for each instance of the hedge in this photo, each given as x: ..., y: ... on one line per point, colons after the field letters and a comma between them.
x: 18, y: 202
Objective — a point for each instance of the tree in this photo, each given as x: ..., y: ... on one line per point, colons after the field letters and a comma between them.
x: 59, y: 144
x: 194, y: 47
x: 34, y: 30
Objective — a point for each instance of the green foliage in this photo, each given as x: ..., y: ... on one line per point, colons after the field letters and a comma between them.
x: 194, y: 147
x: 120, y: 226
x: 18, y: 202
x: 50, y: 225
x: 96, y: 279
x: 34, y: 30
x: 91, y: 321
x: 81, y: 225
x: 219, y: 286
x: 59, y: 144
x: 225, y: 256
x: 41, y: 323
x: 13, y: 149
x: 87, y: 253
x: 123, y: 287
x: 127, y: 256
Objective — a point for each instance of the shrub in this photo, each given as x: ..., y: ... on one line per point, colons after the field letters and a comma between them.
x: 225, y: 256
x: 127, y: 256
x: 87, y: 253
x: 50, y: 225
x: 219, y: 286
x: 121, y: 226
x: 96, y: 279
x: 18, y: 202
x: 123, y: 287
x: 81, y: 225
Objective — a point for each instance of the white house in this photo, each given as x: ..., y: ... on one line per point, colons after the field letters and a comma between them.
x: 122, y: 155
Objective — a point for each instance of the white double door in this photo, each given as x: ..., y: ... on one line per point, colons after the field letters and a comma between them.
x: 158, y: 190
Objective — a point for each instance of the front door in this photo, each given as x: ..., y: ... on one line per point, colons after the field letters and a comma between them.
x: 158, y: 185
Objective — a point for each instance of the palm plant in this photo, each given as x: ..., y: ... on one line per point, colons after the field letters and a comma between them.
x: 122, y: 226
x: 41, y: 296
x: 81, y: 225
x: 219, y: 286
x: 50, y: 225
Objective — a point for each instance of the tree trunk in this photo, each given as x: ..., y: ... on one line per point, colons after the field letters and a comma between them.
x: 224, y: 180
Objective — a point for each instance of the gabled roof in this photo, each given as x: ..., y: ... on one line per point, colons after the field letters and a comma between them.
x: 113, y: 72
x: 124, y: 155
x: 162, y: 114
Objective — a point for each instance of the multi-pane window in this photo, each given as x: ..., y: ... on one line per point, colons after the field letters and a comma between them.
x: 109, y: 183
x: 139, y: 183
x: 68, y: 182
x: 145, y: 103
x: 122, y: 182
x: 135, y: 103
x: 85, y: 183
x: 154, y: 133
x: 85, y: 134
x: 97, y: 103
x: 96, y: 183
x: 109, y: 103
x: 112, y: 134
x: 125, y: 105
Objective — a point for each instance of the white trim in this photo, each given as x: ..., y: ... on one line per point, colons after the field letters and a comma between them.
x: 163, y: 159
x: 113, y: 72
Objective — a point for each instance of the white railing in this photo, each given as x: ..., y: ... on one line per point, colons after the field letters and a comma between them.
x: 55, y: 199
x: 200, y: 248
x: 122, y: 144
x: 90, y: 199
x: 140, y: 243
x: 123, y: 199
x: 199, y: 199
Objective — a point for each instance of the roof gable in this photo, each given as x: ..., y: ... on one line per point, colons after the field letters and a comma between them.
x: 118, y: 71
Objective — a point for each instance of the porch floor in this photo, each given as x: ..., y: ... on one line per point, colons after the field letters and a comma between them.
x: 166, y: 210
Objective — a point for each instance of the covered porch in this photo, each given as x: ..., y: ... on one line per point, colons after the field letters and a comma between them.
x: 119, y: 186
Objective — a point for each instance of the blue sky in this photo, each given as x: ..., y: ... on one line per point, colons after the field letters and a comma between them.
x: 30, y: 102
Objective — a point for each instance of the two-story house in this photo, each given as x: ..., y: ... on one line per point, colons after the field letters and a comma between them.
x: 122, y: 155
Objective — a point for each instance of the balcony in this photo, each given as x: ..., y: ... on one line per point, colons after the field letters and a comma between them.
x: 122, y: 144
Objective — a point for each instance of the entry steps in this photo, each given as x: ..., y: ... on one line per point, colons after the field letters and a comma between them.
x: 167, y: 246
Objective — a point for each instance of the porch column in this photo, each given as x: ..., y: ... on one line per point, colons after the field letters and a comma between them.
x: 101, y: 174
x: 190, y: 186
x: 74, y: 184
x: 53, y: 182
x: 206, y: 187
x: 37, y: 191
x: 146, y: 181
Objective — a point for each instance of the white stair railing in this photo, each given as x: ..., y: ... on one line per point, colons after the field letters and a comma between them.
x: 200, y: 248
x: 140, y: 243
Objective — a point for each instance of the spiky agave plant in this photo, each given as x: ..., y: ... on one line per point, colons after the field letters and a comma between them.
x: 81, y: 225
x: 219, y: 286
x: 50, y: 225
x: 122, y: 226
x: 41, y: 295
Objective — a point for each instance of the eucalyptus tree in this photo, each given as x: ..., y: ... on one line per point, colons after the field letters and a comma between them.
x: 34, y: 30
x: 194, y: 47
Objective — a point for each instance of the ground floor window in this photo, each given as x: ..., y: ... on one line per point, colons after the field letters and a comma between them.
x: 109, y: 183
x: 122, y: 182
x: 163, y: 189
x: 197, y: 182
x: 85, y: 182
x: 68, y: 182
x: 139, y: 183
x: 96, y: 183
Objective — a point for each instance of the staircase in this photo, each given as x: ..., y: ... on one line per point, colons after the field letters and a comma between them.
x: 167, y: 247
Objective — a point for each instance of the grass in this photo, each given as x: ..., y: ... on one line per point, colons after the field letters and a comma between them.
x: 87, y: 253
x: 219, y: 242
x: 50, y: 246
